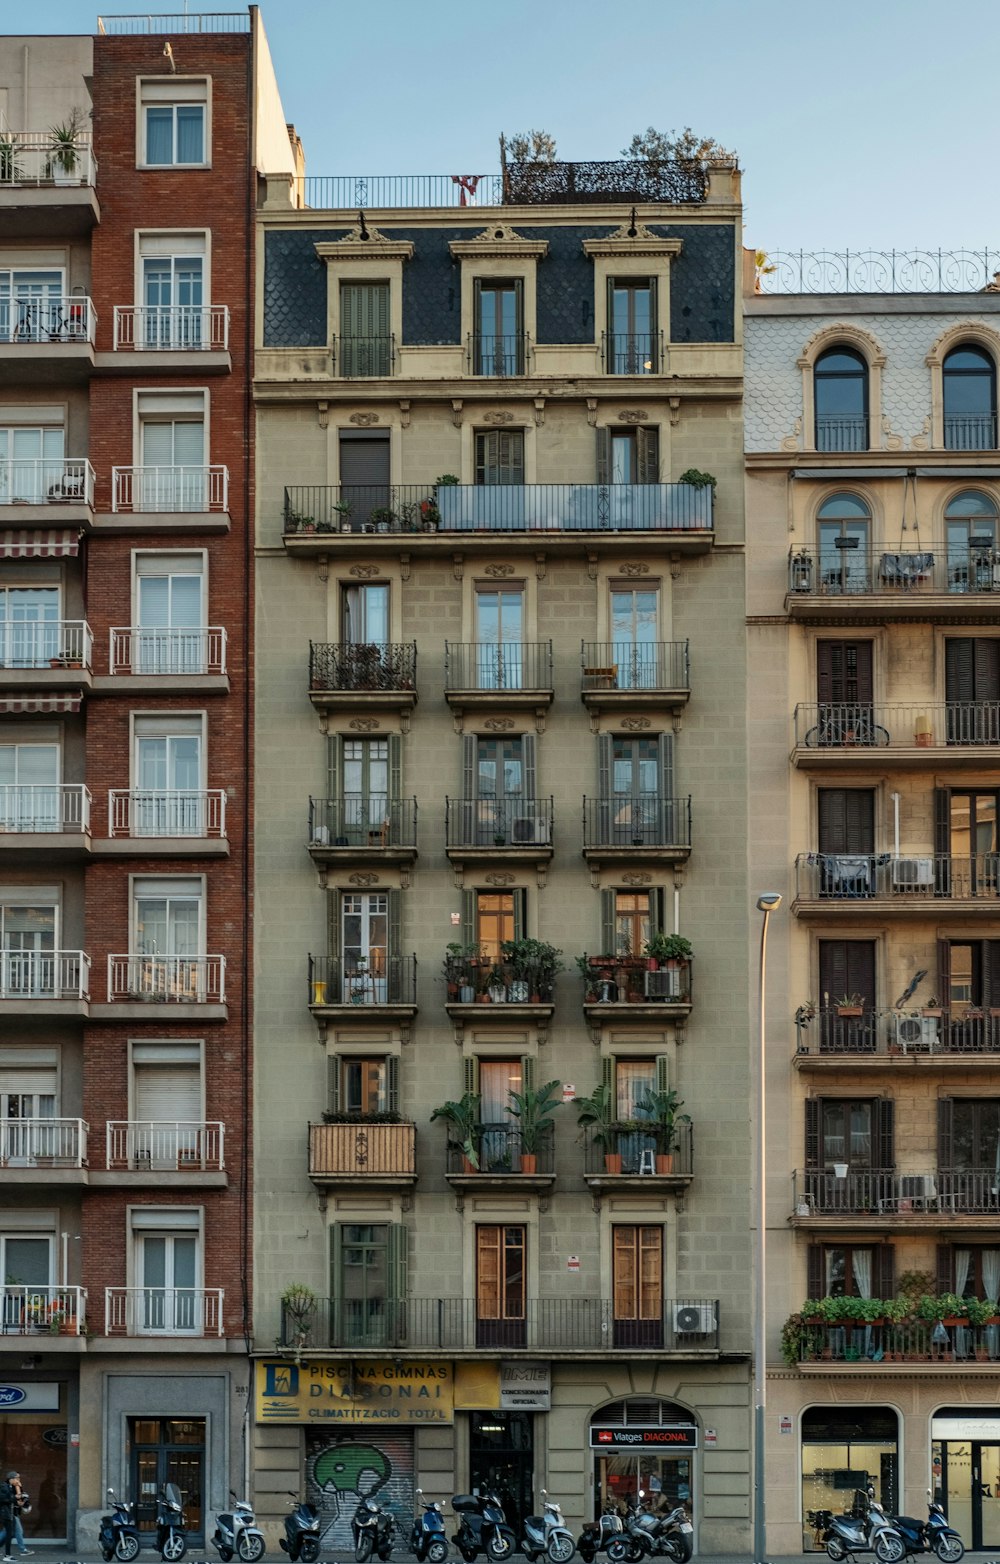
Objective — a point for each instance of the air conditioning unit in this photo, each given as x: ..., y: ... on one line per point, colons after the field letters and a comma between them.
x: 694, y: 1319
x: 919, y: 1188
x: 667, y: 983
x: 531, y: 829
x: 916, y: 1031
x: 910, y: 874
x: 321, y: 836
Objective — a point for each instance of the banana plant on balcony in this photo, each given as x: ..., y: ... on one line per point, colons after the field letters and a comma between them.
x: 463, y: 1120
x: 533, y: 1110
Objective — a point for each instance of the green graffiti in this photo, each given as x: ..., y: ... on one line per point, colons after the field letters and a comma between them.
x: 342, y: 1467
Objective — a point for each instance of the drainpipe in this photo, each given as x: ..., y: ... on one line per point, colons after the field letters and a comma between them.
x: 895, y: 824
x: 677, y: 909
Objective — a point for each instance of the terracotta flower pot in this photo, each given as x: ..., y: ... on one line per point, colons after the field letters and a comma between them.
x: 529, y: 1162
x: 612, y: 1162
x: 664, y: 1162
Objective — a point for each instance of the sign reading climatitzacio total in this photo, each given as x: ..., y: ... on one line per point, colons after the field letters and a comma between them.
x: 389, y: 1393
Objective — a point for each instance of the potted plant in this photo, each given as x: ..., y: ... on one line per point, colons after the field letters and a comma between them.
x: 533, y: 1110
x: 850, y: 1005
x: 663, y: 1110
x: 298, y: 1307
x: 698, y: 480
x: 669, y: 950
x: 596, y: 1112
x: 343, y: 509
x: 534, y: 964
x: 463, y: 1118
x: 10, y: 170
x: 63, y: 154
x: 382, y: 518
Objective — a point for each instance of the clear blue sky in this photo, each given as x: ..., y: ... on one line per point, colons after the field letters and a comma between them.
x: 859, y: 123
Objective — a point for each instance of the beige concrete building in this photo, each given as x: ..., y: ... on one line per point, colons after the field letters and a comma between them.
x: 500, y: 701
x: 873, y: 503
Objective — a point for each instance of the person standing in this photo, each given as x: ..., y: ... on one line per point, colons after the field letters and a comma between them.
x: 18, y: 1507
x: 7, y: 1516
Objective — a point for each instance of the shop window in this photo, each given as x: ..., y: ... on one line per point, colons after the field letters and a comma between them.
x: 844, y: 1448
x: 623, y: 1468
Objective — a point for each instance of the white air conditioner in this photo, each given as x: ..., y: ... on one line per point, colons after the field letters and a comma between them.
x: 917, y: 1187
x: 916, y: 1031
x: 909, y: 874
x: 531, y: 829
x: 665, y: 984
x: 321, y: 836
x: 694, y: 1319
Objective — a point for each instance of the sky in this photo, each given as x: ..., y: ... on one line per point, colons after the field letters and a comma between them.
x: 859, y: 123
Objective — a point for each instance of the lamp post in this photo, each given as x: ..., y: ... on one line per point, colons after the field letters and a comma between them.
x: 767, y: 902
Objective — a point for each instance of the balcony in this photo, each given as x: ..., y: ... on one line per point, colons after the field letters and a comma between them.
x: 551, y: 1327
x: 884, y: 1347
x: 359, y: 1153
x: 38, y: 197
x: 364, y: 676
x: 504, y: 1165
x: 842, y: 434
x: 362, y: 828
x: 37, y: 1311
x: 47, y: 491
x: 167, y: 821
x: 488, y: 830
x: 618, y: 676
x: 518, y: 184
x: 46, y: 984
x: 163, y: 1311
x: 929, y: 885
x: 918, y: 736
x: 318, y: 518
x: 153, y: 986
x: 970, y: 432
x: 175, y: 1153
x: 632, y: 352
x: 640, y: 830
x: 863, y: 1198
x: 511, y: 675
x: 382, y: 989
x: 498, y: 358
x: 964, y: 1037
x: 46, y: 655
x: 613, y: 983
x: 170, y: 492
x: 47, y: 1145
x: 151, y: 657
x: 45, y: 819
x: 364, y: 358
x: 947, y: 582
x: 525, y: 990
x: 47, y: 340
x: 633, y: 1159
x: 172, y: 337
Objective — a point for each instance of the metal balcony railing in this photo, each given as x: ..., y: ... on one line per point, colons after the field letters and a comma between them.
x: 174, y: 328
x: 504, y: 508
x: 161, y: 1145
x: 48, y: 806
x: 498, y: 822
x: 635, y: 1149
x: 167, y: 812
x: 865, y: 725
x: 499, y: 1149
x: 841, y: 434
x: 66, y: 318
x: 956, y: 1031
x: 631, y: 352
x: 636, y: 665
x: 970, y: 432
x: 183, y: 980
x: 857, y: 1191
x: 47, y: 481
x: 379, y: 980
x: 363, y: 820
x: 919, y: 877
x: 29, y: 157
x: 878, y: 1347
x: 193, y: 490
x: 470, y: 978
x: 188, y: 22
x: 364, y: 358
x: 30, y: 1143
x: 44, y: 974
x: 372, y: 665
x: 498, y: 357
x: 28, y: 1310
x: 878, y: 271
x: 351, y: 191
x: 360, y: 1150
x: 163, y: 1311
x: 60, y: 643
x: 497, y: 665
x: 630, y: 980
x: 895, y: 1192
x: 637, y: 821
x: 683, y: 1325
x: 943, y: 568
x: 165, y: 650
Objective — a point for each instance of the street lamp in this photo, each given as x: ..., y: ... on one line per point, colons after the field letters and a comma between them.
x: 767, y: 902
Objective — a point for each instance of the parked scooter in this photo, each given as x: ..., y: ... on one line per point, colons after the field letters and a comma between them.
x: 118, y: 1536
x: 933, y: 1535
x: 171, y: 1537
x: 596, y: 1535
x: 548, y: 1533
x: 374, y: 1531
x: 482, y: 1526
x: 301, y: 1539
x: 865, y: 1530
x: 650, y: 1535
x: 427, y: 1540
x: 238, y: 1533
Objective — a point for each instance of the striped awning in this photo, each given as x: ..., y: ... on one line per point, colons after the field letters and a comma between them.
x: 15, y: 707
x: 40, y: 543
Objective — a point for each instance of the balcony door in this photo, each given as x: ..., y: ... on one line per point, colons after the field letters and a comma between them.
x: 632, y: 328
x: 27, y: 946
x: 166, y: 1107
x: 499, y: 341
x: 971, y: 531
x: 173, y: 477
x: 368, y: 1287
x: 173, y: 296
x: 635, y: 778
x: 365, y: 466
x: 170, y: 1302
x: 30, y: 305
x: 366, y: 780
x: 500, y: 1144
x: 847, y: 973
x: 27, y: 1101
x: 30, y: 630
x: 170, y: 800
x: 364, y: 943
x: 29, y: 787
x: 846, y: 841
x: 637, y: 1283
x: 365, y: 615
x: 32, y: 460
x: 499, y: 640
x: 972, y: 689
x: 966, y: 842
x: 365, y: 337
x: 844, y: 523
x: 845, y: 690
x: 168, y: 938
x: 26, y: 1270
x: 170, y: 614
x: 501, y: 1304
x: 634, y: 631
x: 499, y: 791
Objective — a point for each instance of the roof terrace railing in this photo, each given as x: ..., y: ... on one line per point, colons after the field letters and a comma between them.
x: 177, y: 22
x: 879, y: 271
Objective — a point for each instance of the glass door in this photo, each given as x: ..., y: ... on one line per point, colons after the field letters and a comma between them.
x: 29, y: 626
x: 365, y: 947
x: 24, y: 1134
x: 168, y: 934
x: 26, y: 1269
x: 169, y: 636
x: 170, y: 1302
x: 366, y: 792
x: 168, y: 1450
x: 172, y: 286
x: 635, y: 783
x: 27, y: 947
x: 173, y: 476
x: 31, y: 461
x: 500, y: 1144
x: 499, y: 630
x: 633, y: 634
x: 168, y: 773
x: 29, y: 787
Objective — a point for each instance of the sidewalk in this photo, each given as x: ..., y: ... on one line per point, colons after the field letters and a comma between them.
x: 400, y: 1554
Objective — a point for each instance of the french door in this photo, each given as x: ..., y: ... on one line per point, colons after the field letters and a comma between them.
x: 27, y: 952
x: 844, y: 690
x: 972, y: 689
x: 499, y: 648
x: 633, y: 634
x: 173, y: 298
x: 364, y: 944
x: 29, y: 787
x: 170, y: 635
x: 29, y: 626
x: 173, y: 476
x: 637, y: 1277
x: 501, y: 1319
x: 168, y: 777
x: 168, y: 936
x: 31, y: 461
x: 170, y: 1299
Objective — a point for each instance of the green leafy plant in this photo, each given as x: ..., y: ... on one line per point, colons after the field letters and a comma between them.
x: 533, y: 961
x: 596, y: 1112
x: 663, y: 1111
x: 62, y: 149
x: 299, y: 1304
x: 463, y: 1118
x: 698, y: 480
x: 446, y: 480
x: 533, y: 1109
x: 671, y: 146
x: 10, y: 169
x: 376, y: 1116
x: 668, y: 947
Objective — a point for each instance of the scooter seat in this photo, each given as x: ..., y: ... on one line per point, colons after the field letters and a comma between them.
x: 463, y: 1502
x: 535, y: 1520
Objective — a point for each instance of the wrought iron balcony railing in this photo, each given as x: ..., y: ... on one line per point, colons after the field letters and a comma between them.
x: 369, y: 820
x: 182, y: 980
x: 161, y: 1145
x: 943, y: 568
x: 841, y: 434
x: 970, y: 432
x: 841, y: 1189
x: 171, y: 328
x: 28, y: 157
x: 188, y: 22
x: 371, y: 665
x: 501, y: 823
x: 505, y: 508
x: 497, y: 665
x: 498, y: 357
x: 362, y: 1150
x: 167, y: 812
x: 636, y: 665
x: 61, y: 643
x: 920, y: 878
x: 364, y: 358
x: 644, y: 820
x: 635, y: 1149
x: 500, y: 1149
x: 32, y: 975
x: 878, y: 271
x: 876, y: 1348
x: 472, y: 978
x: 957, y: 1032
x: 31, y: 1143
x: 33, y: 808
x: 165, y: 650
x: 192, y: 490
x: 70, y: 318
x: 862, y: 725
x: 163, y: 1311
x: 378, y: 980
x: 631, y: 980
x: 47, y: 481
x: 28, y: 1310
x: 683, y: 1325
x: 631, y: 352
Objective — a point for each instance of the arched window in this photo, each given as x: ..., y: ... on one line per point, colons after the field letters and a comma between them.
x: 844, y: 544
x: 970, y: 399
x: 970, y: 521
x: 840, y: 394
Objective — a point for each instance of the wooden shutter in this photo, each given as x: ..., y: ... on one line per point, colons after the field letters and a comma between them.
x: 665, y: 764
x: 662, y: 1072
x: 528, y: 766
x: 333, y: 923
x: 813, y: 1107
x: 824, y: 672
x: 608, y: 942
x: 336, y: 1263
x: 395, y: 900
x: 959, y: 668
x: 392, y: 1083
x: 815, y: 1271
x: 647, y: 449
x: 528, y: 1072
x: 861, y: 970
x: 470, y: 768
x: 945, y: 1141
x: 638, y: 1273
x: 657, y: 911
x: 943, y: 1268
x: 605, y: 760
x: 624, y: 1257
x: 395, y: 765
x: 520, y: 900
x: 488, y: 1271
x: 334, y: 767
x: 844, y: 672
x: 846, y: 820
x: 396, y: 1263
x: 884, y: 1272
x: 987, y: 669
x: 942, y: 842
x: 944, y: 972
x: 470, y: 923
x: 608, y: 1075
x: 333, y: 1083
x: 349, y: 310
x: 603, y: 455
x: 654, y: 329
x: 470, y: 1066
x: 883, y: 1149
x: 991, y: 974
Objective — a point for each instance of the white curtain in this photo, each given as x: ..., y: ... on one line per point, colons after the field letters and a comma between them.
x: 991, y: 1272
x: 962, y: 1261
x: 863, y: 1271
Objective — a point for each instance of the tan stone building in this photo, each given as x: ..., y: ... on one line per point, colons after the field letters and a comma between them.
x: 499, y: 700
x: 873, y: 514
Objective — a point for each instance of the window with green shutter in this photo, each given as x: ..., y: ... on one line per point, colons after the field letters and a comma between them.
x: 365, y: 339
x: 368, y: 1263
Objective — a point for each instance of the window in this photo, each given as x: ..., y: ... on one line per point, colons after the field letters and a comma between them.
x: 846, y: 841
x: 29, y: 787
x: 168, y: 939
x: 633, y: 922
x: 637, y: 1285
x: 166, y: 1129
x: 632, y: 337
x: 500, y: 1286
x: 971, y: 1271
x: 499, y: 335
x: 499, y: 631
x: 499, y: 801
x: 27, y: 1262
x: 173, y: 291
x: 28, y: 1105
x: 30, y: 629
x: 366, y: 1085
x: 966, y: 841
x: 635, y: 805
x: 850, y: 1271
x: 972, y: 689
x: 174, y: 122
x: 365, y: 615
x: 365, y: 461
x: 844, y: 523
x: 32, y: 462
x: 363, y: 782
x: 840, y: 392
x: 496, y: 921
x: 971, y: 538
x: 500, y: 457
x: 845, y: 688
x: 170, y: 634
x: 500, y: 1141
x: 365, y: 946
x: 31, y: 305
x: 969, y: 982
x: 634, y: 631
x: 168, y: 796
x: 167, y: 1260
x: 366, y: 347
x: 969, y: 388
x: 969, y: 1135
x: 846, y: 969
x: 173, y: 475
x: 368, y: 1283
x: 849, y: 1154
x: 29, y: 965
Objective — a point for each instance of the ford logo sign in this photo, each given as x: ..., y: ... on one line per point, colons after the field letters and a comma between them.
x: 12, y: 1395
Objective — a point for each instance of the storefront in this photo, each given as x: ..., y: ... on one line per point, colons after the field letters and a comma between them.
x: 642, y: 1445
x: 502, y: 1459
x: 34, y: 1440
x: 965, y: 1470
x: 845, y: 1448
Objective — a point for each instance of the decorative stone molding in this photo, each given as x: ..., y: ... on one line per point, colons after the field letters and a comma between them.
x: 842, y: 332
x: 363, y: 420
x: 404, y: 413
x: 636, y: 724
x: 636, y: 415
x: 499, y: 724
x: 499, y: 240
x: 498, y: 418
x: 499, y: 570
x: 637, y: 877
x: 365, y: 572
x: 364, y: 242
x: 592, y: 411
x: 499, y: 879
x: 363, y: 878
x: 635, y: 570
x: 323, y: 414
x: 364, y: 724
x: 633, y: 238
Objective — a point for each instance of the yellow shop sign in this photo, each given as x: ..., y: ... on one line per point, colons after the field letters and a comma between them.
x: 393, y: 1392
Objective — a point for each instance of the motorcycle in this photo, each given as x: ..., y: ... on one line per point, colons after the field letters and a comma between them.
x: 650, y: 1535
x: 118, y: 1537
x: 933, y: 1535
x: 596, y: 1535
x: 373, y: 1529
x: 301, y: 1539
x: 865, y: 1530
x: 427, y: 1540
x: 482, y: 1527
x: 548, y: 1533
x: 171, y: 1538
x: 238, y: 1533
